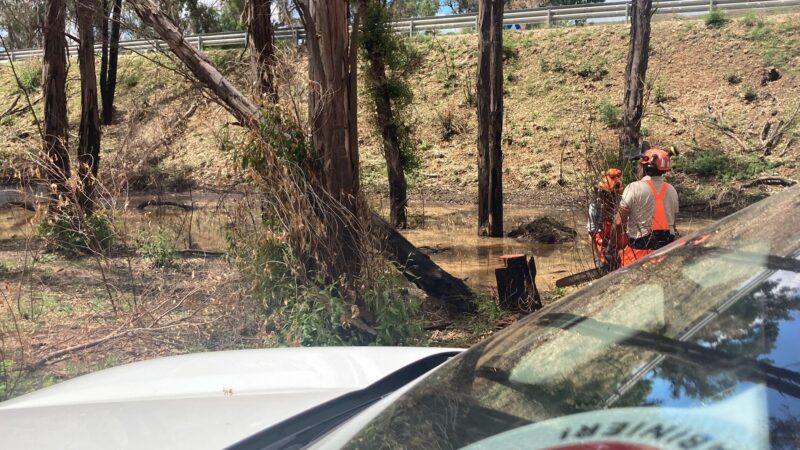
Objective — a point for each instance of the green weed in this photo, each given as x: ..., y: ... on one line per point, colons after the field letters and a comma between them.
x: 715, y: 18
x: 609, y: 113
x: 659, y: 92
x: 732, y: 77
x: 593, y: 69
x: 159, y: 248
x: 30, y: 77
x: 749, y: 93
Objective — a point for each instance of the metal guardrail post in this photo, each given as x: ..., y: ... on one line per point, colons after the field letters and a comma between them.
x: 200, y: 42
x: 710, y: 5
x: 296, y: 37
x: 411, y: 27
x: 11, y: 56
x: 549, y: 17
x: 627, y: 12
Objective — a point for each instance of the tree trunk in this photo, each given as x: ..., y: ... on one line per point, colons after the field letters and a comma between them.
x: 332, y: 61
x: 429, y: 276
x: 635, y: 73
x: 113, y: 56
x: 490, y: 118
x: 89, y: 132
x: 104, y: 52
x: 386, y: 120
x: 54, y: 72
x: 262, y: 47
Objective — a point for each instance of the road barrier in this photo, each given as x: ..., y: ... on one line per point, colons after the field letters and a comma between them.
x: 598, y: 12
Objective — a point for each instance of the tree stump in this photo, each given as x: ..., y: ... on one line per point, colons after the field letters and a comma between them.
x: 516, y: 284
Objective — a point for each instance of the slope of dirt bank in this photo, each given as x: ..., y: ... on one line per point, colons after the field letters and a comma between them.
x: 563, y: 89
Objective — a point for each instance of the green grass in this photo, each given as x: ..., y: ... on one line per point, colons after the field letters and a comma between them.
x: 30, y: 77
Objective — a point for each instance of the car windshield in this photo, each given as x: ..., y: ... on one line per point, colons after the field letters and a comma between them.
x: 694, y: 347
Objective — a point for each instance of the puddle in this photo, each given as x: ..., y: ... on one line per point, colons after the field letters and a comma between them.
x: 450, y: 230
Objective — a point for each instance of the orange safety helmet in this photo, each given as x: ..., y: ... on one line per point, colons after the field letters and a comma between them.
x: 611, y: 181
x: 657, y: 158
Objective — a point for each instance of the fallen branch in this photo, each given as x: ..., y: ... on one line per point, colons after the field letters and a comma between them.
x: 201, y: 253
x: 147, y: 203
x: 11, y: 108
x: 717, y: 127
x: 119, y: 332
x: 770, y: 181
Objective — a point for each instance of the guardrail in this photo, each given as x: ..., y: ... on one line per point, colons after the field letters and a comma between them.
x: 598, y: 12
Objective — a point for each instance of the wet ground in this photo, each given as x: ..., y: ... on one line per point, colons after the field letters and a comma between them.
x: 447, y: 232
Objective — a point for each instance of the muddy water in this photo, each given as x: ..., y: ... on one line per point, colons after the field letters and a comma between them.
x: 448, y: 231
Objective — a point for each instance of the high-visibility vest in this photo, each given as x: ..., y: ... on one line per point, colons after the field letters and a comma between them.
x: 660, y: 222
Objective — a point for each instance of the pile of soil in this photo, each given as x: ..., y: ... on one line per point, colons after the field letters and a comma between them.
x: 544, y: 230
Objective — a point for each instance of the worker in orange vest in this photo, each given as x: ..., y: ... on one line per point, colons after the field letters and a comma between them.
x: 601, y: 220
x: 645, y: 220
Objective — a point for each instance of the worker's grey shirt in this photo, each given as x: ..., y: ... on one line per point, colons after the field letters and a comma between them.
x: 639, y: 199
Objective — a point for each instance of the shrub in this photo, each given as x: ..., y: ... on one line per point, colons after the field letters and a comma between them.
x: 159, y: 249
x: 749, y: 93
x: 68, y: 235
x: 732, y: 77
x: 759, y: 32
x: 609, y: 113
x: 708, y: 163
x: 30, y: 77
x: 448, y: 123
x: 510, y: 51
x: 715, y: 18
x: 593, y: 70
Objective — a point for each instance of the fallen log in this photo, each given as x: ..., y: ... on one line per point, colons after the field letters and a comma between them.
x: 147, y: 203
x: 415, y: 265
x: 770, y: 181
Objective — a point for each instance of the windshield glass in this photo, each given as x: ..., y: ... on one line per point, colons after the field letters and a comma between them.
x: 702, y: 334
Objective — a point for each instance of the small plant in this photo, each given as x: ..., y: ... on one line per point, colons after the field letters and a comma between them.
x: 750, y: 19
x: 71, y: 236
x: 448, y: 123
x: 659, y: 92
x: 732, y: 77
x: 30, y: 77
x: 759, y: 32
x: 609, y: 113
x: 556, y: 66
x: 715, y: 18
x: 510, y: 51
x: 593, y: 70
x: 159, y: 249
x: 749, y: 93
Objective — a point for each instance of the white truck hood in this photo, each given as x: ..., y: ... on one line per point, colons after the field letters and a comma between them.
x: 197, y: 401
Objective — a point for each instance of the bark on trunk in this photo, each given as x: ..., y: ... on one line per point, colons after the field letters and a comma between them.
x: 89, y: 132
x: 387, y: 124
x: 332, y: 107
x: 490, y: 118
x: 54, y: 72
x: 237, y: 104
x: 104, y: 50
x: 113, y: 56
x: 262, y: 47
x: 635, y: 73
x: 427, y: 275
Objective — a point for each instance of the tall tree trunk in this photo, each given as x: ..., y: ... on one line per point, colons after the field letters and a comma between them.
x: 635, y: 73
x: 377, y: 46
x: 113, y: 56
x: 391, y: 148
x: 332, y: 107
x: 54, y: 73
x: 89, y: 132
x: 490, y: 118
x: 105, y: 15
x: 262, y: 47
